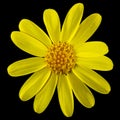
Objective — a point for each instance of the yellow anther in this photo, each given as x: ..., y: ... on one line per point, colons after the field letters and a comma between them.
x: 60, y: 58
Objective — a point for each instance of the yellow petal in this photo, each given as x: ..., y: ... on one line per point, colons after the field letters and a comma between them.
x: 81, y: 91
x: 43, y: 98
x: 26, y: 66
x: 87, y: 29
x: 34, y: 84
x: 28, y: 44
x: 71, y: 22
x: 97, y: 63
x: 65, y: 96
x: 91, y: 49
x: 92, y: 79
x: 35, y: 31
x: 52, y: 23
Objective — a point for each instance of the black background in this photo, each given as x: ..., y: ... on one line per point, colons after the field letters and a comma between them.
x: 11, y: 12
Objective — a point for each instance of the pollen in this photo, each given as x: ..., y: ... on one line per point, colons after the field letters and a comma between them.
x: 60, y: 58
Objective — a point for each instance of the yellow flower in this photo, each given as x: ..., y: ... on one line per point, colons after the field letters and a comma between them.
x: 62, y: 60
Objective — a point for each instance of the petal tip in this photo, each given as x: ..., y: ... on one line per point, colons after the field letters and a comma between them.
x: 108, y: 90
x: 22, y: 22
x: 10, y: 71
x: 111, y: 64
x: 98, y: 16
x: 35, y: 108
x: 13, y: 35
x: 92, y: 104
x: 46, y: 11
x: 79, y: 4
x: 21, y: 96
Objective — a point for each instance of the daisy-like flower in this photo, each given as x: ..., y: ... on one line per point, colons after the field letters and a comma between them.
x: 62, y: 60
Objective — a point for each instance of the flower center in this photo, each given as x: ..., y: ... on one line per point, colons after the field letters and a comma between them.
x: 60, y: 58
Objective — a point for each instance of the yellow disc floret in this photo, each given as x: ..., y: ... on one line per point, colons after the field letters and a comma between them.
x: 60, y: 58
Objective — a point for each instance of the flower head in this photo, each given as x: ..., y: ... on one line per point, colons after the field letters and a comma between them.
x: 63, y: 59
